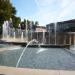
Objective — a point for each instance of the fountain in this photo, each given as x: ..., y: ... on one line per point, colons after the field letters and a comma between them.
x: 14, y: 35
x: 37, y: 35
x: 43, y: 37
x: 5, y: 29
x: 70, y: 39
x: 55, y: 33
x: 49, y: 35
x: 22, y: 36
x: 19, y: 31
x: 31, y: 35
x: 34, y: 40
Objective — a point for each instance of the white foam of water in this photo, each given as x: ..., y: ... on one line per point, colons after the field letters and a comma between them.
x: 41, y: 50
x: 72, y: 47
x: 14, y: 48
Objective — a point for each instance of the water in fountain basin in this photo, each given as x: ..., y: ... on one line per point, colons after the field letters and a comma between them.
x: 24, y: 51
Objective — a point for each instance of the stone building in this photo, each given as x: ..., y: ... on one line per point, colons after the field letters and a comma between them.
x: 40, y: 29
x: 62, y: 32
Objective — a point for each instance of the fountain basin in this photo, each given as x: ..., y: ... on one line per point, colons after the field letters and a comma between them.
x: 39, y: 58
x: 24, y: 71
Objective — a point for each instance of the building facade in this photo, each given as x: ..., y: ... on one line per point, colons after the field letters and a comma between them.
x: 40, y: 29
x: 50, y: 27
x: 64, y: 26
x: 62, y: 32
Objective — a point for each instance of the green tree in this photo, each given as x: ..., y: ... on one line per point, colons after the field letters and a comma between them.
x: 28, y: 25
x: 5, y: 9
x: 16, y: 21
x: 6, y: 12
x: 25, y: 23
x: 13, y: 11
x: 33, y: 26
x: 36, y: 23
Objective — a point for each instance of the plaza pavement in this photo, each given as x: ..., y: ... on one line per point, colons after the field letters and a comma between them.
x: 24, y: 71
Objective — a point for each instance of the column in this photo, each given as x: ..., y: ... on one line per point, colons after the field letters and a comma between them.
x: 49, y: 37
x: 74, y: 39
x: 37, y: 36
x: 70, y: 39
x: 65, y: 40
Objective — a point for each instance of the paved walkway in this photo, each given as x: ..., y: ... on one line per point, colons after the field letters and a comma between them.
x: 21, y: 71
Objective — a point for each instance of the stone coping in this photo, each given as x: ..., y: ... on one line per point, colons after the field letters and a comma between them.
x: 4, y: 70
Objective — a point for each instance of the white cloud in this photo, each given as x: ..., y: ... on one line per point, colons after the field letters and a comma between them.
x: 67, y: 10
x: 65, y: 3
x: 63, y: 10
x: 43, y: 2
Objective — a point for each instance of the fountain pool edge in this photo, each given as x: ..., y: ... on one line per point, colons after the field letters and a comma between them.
x: 24, y: 71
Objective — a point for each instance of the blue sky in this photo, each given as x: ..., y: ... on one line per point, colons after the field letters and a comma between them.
x: 45, y: 11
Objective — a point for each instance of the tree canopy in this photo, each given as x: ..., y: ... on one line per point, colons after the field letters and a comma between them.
x: 31, y: 25
x: 7, y: 11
